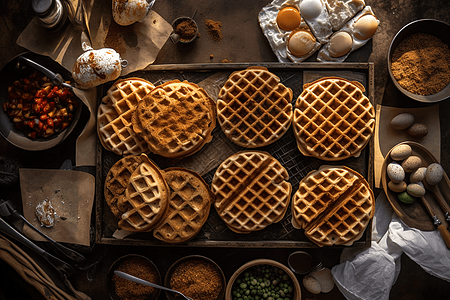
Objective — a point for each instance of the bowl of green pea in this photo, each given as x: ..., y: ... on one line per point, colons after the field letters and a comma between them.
x: 263, y: 279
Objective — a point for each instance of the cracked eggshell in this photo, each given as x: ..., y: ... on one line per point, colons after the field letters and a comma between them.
x: 316, y: 16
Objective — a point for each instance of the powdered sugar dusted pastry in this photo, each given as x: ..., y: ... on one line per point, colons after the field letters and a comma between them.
x: 127, y: 12
x: 95, y: 67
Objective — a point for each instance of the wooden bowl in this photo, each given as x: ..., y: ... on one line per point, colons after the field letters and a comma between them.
x: 414, y: 214
x: 257, y: 262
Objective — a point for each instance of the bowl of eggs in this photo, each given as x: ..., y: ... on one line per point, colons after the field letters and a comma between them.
x: 298, y: 29
x: 419, y: 60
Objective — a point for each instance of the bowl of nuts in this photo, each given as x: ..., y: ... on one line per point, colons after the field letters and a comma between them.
x: 36, y: 113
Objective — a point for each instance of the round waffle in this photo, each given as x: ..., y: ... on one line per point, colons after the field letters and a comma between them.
x: 333, y: 205
x: 114, y: 116
x: 333, y: 119
x: 175, y: 119
x: 254, y: 109
x: 189, y: 205
x: 117, y: 180
x: 251, y: 191
x: 146, y: 198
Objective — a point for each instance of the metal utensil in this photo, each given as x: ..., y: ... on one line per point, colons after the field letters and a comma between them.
x: 445, y: 234
x: 7, y: 209
x: 63, y: 267
x: 138, y: 280
x: 55, y: 78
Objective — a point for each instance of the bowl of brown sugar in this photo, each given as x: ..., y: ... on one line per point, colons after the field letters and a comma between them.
x: 197, y: 277
x: 419, y: 60
x: 138, y: 266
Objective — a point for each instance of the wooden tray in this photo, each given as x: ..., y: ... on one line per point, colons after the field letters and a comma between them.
x: 215, y: 233
x: 415, y: 215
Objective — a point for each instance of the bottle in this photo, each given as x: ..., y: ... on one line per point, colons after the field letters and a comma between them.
x: 52, y: 14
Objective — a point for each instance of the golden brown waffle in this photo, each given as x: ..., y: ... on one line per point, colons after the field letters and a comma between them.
x: 254, y: 109
x: 334, y: 205
x: 251, y: 191
x: 117, y: 180
x: 333, y: 119
x: 114, y: 116
x: 189, y: 206
x: 146, y: 196
x: 175, y: 119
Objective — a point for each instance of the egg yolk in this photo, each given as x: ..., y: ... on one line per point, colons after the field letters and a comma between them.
x: 300, y: 43
x: 310, y: 9
x: 365, y: 27
x: 288, y: 18
x: 340, y: 44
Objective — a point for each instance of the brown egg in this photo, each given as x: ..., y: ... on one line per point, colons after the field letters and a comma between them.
x: 288, y: 18
x: 301, y: 42
x: 365, y: 27
x: 340, y: 44
x: 418, y: 130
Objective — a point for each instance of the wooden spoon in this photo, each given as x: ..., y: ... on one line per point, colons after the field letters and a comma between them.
x: 445, y: 234
x: 439, y: 198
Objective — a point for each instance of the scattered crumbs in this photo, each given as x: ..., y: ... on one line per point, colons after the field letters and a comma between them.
x: 78, y: 218
x: 154, y: 21
x: 63, y: 218
x: 226, y: 60
x: 211, y: 56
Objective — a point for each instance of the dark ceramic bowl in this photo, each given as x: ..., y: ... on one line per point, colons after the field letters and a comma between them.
x: 16, y: 137
x: 433, y: 27
x: 174, y: 296
x: 111, y: 286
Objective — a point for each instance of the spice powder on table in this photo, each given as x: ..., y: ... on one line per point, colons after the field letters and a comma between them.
x: 214, y: 29
x: 197, y: 279
x: 421, y: 64
x: 138, y: 267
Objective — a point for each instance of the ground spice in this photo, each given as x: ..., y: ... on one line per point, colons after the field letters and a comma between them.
x: 421, y: 64
x: 141, y: 268
x: 214, y: 29
x: 186, y: 29
x: 198, y: 279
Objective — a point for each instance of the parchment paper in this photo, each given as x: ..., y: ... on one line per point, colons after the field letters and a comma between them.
x: 71, y: 193
x: 386, y: 137
x: 139, y: 44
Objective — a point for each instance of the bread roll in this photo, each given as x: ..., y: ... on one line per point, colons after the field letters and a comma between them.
x: 127, y: 12
x: 95, y: 67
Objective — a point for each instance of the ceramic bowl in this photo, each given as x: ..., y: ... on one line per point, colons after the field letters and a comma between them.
x: 111, y: 286
x: 433, y: 27
x: 297, y: 294
x: 170, y: 271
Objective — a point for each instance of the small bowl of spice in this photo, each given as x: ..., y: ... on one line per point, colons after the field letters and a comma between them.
x: 263, y: 279
x: 138, y: 266
x: 197, y: 277
x: 419, y: 60
x: 185, y: 30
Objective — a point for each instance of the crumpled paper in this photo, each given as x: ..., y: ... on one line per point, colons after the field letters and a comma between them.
x: 371, y: 273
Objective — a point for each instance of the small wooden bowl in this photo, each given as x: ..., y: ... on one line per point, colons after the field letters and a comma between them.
x: 257, y: 262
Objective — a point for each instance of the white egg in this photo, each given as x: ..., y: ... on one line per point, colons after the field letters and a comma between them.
x: 316, y: 16
x: 364, y: 24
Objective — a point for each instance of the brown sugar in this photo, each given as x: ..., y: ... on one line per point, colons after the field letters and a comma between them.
x: 197, y: 279
x: 214, y: 29
x: 421, y: 64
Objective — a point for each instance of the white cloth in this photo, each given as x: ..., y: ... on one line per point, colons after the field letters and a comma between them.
x: 370, y: 273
